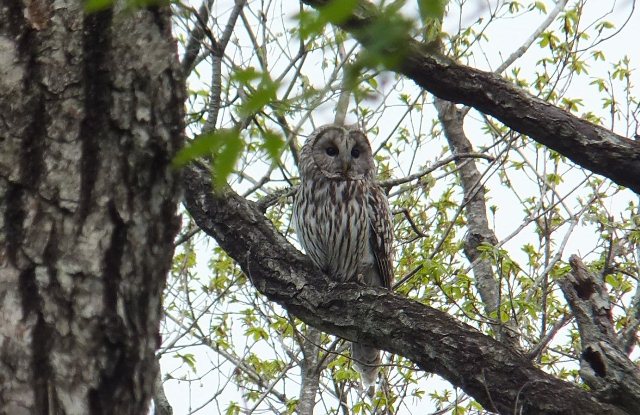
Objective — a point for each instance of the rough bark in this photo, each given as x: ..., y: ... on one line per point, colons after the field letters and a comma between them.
x: 88, y: 127
x: 160, y: 402
x: 495, y: 375
x: 591, y: 146
x: 604, y: 365
x: 452, y: 120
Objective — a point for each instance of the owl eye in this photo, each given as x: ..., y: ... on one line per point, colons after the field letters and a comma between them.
x: 332, y: 151
x: 355, y: 153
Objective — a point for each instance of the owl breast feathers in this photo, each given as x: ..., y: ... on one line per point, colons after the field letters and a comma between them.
x: 342, y: 217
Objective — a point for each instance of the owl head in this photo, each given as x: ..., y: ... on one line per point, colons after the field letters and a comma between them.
x: 337, y: 152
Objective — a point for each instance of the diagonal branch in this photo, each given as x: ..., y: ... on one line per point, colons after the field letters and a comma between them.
x: 197, y: 35
x: 560, y: 4
x: 591, y: 146
x: 496, y: 376
x: 479, y: 232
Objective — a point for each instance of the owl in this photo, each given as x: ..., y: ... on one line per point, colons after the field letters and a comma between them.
x: 342, y: 219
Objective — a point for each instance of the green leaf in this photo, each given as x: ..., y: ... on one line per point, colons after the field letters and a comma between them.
x: 431, y: 8
x: 233, y: 409
x: 572, y: 104
x: 540, y: 6
x: 273, y: 144
x: 604, y: 25
x: 264, y: 94
x: 549, y: 39
x: 389, y: 32
x: 246, y: 75
x: 224, y: 146
x: 310, y: 24
x: 225, y: 160
x: 200, y: 146
x: 91, y: 6
x: 189, y: 359
x: 337, y: 11
x: 257, y: 333
x: 554, y: 178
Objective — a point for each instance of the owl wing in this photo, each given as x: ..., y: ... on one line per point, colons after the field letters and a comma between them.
x: 381, y: 233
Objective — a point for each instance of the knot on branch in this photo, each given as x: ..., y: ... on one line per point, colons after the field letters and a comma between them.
x: 594, y: 357
x: 611, y: 375
x: 587, y: 295
x: 474, y: 239
x: 583, y: 281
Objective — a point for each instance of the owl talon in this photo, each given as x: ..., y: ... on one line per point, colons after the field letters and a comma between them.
x: 371, y: 392
x: 360, y: 279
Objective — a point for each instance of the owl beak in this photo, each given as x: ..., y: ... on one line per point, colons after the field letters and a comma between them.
x: 346, y: 166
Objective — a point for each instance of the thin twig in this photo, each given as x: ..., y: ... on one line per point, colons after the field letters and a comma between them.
x: 388, y: 184
x: 536, y: 351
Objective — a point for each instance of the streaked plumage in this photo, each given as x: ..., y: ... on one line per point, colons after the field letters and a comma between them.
x: 342, y: 218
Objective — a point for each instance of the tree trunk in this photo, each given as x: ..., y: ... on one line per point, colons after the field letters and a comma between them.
x: 88, y: 127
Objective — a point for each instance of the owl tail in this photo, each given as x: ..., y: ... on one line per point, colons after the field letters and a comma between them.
x: 366, y: 360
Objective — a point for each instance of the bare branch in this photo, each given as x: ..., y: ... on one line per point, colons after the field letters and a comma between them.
x: 196, y: 36
x: 311, y: 370
x: 388, y: 184
x: 560, y: 4
x: 539, y: 348
x: 345, y: 94
x: 216, y: 70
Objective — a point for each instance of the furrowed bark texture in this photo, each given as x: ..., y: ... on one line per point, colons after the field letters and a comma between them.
x: 588, y: 145
x: 160, y: 402
x: 88, y: 126
x: 499, y: 378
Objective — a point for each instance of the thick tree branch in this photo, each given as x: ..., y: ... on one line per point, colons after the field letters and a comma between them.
x: 496, y: 376
x: 604, y: 365
x: 586, y: 144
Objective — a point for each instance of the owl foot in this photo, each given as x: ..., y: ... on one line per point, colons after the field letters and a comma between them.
x: 371, y: 391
